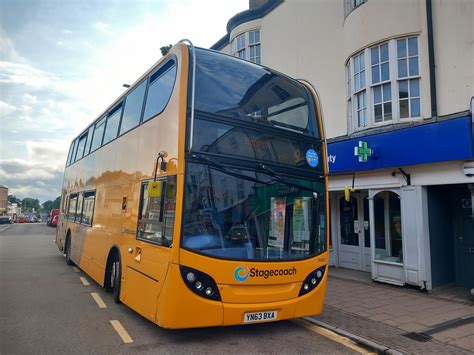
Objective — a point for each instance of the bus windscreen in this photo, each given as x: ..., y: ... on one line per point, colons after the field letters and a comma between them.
x: 234, y: 88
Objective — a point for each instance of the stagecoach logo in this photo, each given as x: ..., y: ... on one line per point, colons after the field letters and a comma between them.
x: 241, y: 273
x: 312, y: 158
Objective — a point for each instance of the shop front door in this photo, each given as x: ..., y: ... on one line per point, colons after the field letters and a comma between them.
x: 464, y: 238
x: 354, y: 233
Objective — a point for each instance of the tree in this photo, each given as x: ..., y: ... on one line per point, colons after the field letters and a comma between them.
x: 49, y: 205
x: 28, y: 204
x: 165, y: 49
x: 56, y: 202
x: 14, y: 199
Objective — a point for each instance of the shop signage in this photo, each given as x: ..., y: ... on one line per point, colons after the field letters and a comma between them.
x: 362, y: 151
x: 431, y: 142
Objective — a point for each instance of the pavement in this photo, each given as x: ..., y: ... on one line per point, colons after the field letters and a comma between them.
x: 392, y: 319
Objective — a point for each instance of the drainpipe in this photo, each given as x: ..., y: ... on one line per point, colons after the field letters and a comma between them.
x: 429, y: 18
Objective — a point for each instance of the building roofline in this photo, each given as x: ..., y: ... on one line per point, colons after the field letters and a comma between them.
x: 246, y: 16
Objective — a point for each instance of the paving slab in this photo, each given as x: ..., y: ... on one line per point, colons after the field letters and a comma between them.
x: 385, y: 314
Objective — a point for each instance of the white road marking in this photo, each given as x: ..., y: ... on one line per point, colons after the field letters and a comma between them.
x: 75, y: 269
x: 121, y: 331
x: 332, y: 336
x: 84, y: 281
x: 98, y: 300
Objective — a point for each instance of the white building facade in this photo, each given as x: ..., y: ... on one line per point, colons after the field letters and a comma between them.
x: 396, y: 79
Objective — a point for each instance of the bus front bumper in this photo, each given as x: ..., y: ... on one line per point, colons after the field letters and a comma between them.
x: 179, y: 308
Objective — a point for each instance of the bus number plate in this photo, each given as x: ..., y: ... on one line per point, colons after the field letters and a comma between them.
x: 260, y: 316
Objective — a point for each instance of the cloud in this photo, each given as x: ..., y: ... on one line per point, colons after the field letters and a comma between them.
x: 6, y: 109
x: 25, y: 74
x: 103, y: 28
x: 56, y: 93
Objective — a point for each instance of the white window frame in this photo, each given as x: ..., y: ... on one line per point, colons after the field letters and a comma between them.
x: 409, y: 77
x: 242, y: 46
x: 394, y: 81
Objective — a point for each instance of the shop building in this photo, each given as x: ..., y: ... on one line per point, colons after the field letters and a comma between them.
x: 3, y: 199
x: 396, y: 81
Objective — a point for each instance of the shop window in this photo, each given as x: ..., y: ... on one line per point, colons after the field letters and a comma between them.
x: 157, y: 212
x: 388, y: 227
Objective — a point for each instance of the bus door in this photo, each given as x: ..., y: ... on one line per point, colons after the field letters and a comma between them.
x: 149, y: 254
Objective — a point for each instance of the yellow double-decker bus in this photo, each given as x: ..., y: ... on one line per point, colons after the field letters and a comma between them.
x: 199, y: 197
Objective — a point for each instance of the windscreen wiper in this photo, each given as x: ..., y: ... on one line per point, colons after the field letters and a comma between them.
x: 283, y: 180
x: 220, y: 167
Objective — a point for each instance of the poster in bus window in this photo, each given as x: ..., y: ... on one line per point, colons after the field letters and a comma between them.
x: 301, y: 224
x: 277, y: 231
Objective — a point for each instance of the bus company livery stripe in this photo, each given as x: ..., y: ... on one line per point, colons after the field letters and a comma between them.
x: 242, y: 273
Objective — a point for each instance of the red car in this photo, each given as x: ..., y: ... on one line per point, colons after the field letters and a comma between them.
x: 23, y: 219
x: 54, y: 222
x: 52, y: 213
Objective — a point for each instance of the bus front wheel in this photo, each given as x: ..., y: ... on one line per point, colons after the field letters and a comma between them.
x: 68, y: 250
x: 114, y: 277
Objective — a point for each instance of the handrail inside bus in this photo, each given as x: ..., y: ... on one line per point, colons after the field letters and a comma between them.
x: 191, y: 129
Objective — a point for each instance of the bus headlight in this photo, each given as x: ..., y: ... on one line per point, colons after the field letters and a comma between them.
x: 312, y: 280
x: 200, y: 283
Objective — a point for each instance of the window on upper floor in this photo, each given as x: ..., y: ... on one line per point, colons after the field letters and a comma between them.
x: 351, y: 5
x: 247, y: 46
x: 383, y: 84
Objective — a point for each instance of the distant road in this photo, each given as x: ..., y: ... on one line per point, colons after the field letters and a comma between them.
x: 47, y: 307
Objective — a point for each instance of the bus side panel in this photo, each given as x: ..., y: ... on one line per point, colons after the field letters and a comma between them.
x: 178, y: 307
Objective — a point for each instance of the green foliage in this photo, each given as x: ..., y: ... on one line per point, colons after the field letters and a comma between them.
x: 49, y: 205
x: 28, y: 204
x: 14, y: 199
x: 165, y: 49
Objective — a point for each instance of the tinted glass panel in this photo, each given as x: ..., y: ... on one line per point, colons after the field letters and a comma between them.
x: 88, y: 207
x: 235, y: 218
x: 72, y: 207
x: 159, y: 90
x: 218, y: 138
x: 80, y: 200
x: 237, y: 89
x: 111, y: 129
x: 89, y: 140
x: 157, y: 213
x: 80, y: 147
x: 71, y: 149
x: 98, y: 134
x: 133, y: 108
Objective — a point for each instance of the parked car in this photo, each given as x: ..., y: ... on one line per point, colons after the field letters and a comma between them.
x: 54, y: 222
x: 23, y: 219
x: 52, y: 213
x: 5, y: 220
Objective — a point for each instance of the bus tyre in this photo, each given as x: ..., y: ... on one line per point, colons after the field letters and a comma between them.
x: 68, y: 251
x: 116, y: 278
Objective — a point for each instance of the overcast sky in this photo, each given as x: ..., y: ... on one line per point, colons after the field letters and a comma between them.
x: 63, y: 62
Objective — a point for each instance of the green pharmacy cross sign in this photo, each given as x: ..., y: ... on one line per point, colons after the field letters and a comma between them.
x: 363, y: 152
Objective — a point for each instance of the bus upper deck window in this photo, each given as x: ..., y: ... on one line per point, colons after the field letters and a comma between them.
x: 159, y: 90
